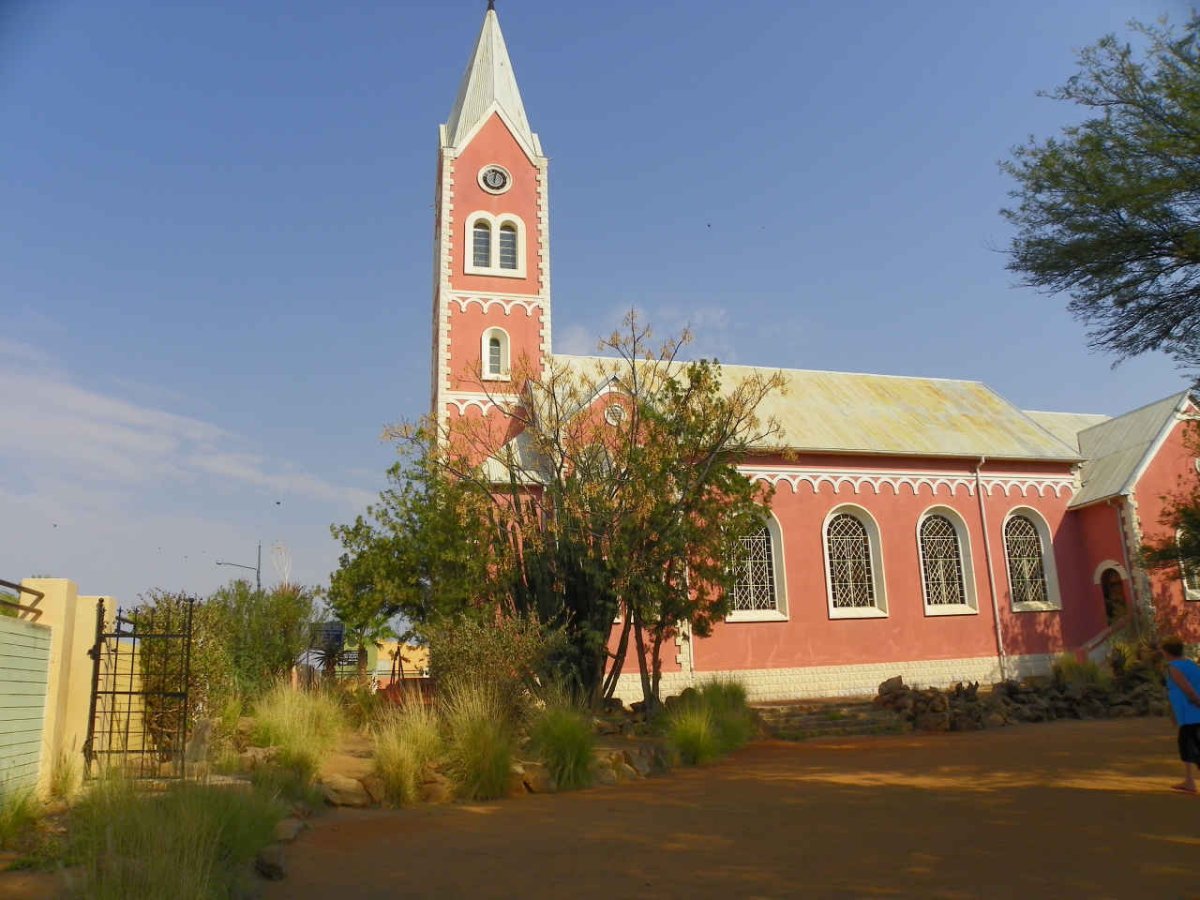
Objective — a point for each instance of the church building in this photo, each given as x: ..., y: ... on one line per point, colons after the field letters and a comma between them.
x: 920, y: 527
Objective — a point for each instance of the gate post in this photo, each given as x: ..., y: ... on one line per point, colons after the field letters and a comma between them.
x: 95, y: 653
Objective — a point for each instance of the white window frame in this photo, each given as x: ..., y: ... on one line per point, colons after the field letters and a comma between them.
x: 505, y: 372
x: 779, y: 574
x: 971, y: 606
x: 1049, y: 566
x: 496, y: 223
x: 874, y: 548
x: 1189, y: 593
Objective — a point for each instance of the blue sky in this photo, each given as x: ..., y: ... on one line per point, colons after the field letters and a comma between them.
x: 216, y: 226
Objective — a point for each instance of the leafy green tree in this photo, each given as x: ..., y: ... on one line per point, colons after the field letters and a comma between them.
x: 5, y: 608
x: 1109, y: 211
x: 606, y: 491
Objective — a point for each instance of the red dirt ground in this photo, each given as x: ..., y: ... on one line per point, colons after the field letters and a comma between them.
x: 1078, y: 809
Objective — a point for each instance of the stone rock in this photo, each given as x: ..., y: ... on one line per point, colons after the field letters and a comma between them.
x: 196, y: 749
x: 301, y: 810
x: 605, y: 775
x: 437, y: 789
x: 606, y: 726
x: 288, y: 830
x: 538, y: 779
x: 614, y: 705
x: 339, y: 790
x: 893, y: 685
x: 373, y: 785
x: 256, y: 757
x: 932, y: 721
x: 1123, y: 711
x: 641, y: 760
x: 994, y: 720
x: 625, y: 772
x: 270, y: 864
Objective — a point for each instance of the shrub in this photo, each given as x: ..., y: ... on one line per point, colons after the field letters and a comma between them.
x: 732, y: 720
x: 363, y: 707
x: 480, y: 739
x: 304, y: 725
x: 1070, y: 671
x: 561, y: 734
x: 691, y: 735
x: 407, y: 740
x: 508, y: 653
x: 19, y: 816
x: 188, y: 843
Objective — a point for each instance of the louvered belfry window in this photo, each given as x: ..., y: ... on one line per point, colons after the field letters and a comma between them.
x: 1026, y: 569
x: 942, y: 565
x: 850, y: 576
x: 482, y: 244
x: 754, y: 571
x: 508, y: 247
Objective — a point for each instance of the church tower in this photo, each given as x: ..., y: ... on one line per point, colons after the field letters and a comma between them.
x: 491, y: 298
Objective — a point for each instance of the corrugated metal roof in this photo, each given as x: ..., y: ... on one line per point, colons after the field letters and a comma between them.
x: 841, y: 412
x: 489, y: 79
x: 1114, y: 450
x: 1066, y: 426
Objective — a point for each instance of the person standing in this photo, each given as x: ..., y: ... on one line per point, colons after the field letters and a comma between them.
x: 1183, y: 690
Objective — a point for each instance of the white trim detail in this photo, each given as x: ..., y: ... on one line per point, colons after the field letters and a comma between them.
x: 464, y: 400
x: 779, y: 573
x: 506, y: 306
x: 1105, y: 566
x: 935, y: 481
x: 1049, y: 568
x: 496, y: 224
x: 875, y: 548
x: 861, y: 680
x: 504, y: 372
x: 971, y: 607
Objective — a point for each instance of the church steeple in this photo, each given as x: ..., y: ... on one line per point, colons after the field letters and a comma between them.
x: 488, y: 84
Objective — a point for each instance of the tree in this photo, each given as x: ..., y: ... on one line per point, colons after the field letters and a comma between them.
x: 1109, y: 212
x: 605, y: 491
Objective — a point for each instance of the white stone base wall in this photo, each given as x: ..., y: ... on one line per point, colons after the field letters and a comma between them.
x: 763, y: 685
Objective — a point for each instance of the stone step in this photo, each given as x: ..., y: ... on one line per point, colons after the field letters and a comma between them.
x: 828, y: 718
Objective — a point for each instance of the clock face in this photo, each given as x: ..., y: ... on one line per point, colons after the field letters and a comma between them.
x: 495, y: 179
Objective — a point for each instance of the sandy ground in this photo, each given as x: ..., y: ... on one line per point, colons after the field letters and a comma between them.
x: 1077, y: 809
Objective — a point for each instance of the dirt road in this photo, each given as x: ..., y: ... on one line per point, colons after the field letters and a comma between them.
x: 1075, y: 809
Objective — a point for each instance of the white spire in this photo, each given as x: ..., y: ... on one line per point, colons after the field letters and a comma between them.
x: 488, y: 83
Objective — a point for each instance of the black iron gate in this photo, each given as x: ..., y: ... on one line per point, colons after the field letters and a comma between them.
x: 141, y: 663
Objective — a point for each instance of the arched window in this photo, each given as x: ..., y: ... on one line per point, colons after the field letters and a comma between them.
x: 1188, y: 572
x: 508, y: 246
x: 758, y: 592
x: 1032, y: 578
x: 497, y: 245
x: 854, y: 567
x: 495, y: 354
x: 946, y: 572
x: 481, y: 254
x: 1112, y: 586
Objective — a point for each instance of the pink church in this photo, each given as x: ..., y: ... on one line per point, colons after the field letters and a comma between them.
x: 921, y: 526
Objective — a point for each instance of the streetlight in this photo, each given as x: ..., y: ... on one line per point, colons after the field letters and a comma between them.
x: 256, y: 569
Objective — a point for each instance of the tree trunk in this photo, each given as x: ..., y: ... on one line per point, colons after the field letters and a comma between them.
x: 648, y: 695
x: 656, y: 663
x: 618, y: 662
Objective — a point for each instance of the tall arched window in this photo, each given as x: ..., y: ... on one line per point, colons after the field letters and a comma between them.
x: 1112, y: 586
x: 495, y: 354
x: 854, y: 565
x: 758, y: 590
x: 508, y: 246
x: 1030, y: 556
x: 481, y: 253
x: 1191, y: 577
x: 947, y: 576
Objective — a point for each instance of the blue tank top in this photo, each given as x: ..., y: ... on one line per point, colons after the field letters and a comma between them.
x: 1186, y: 712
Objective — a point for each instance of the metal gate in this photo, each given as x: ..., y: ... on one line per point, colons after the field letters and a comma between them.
x: 141, y: 662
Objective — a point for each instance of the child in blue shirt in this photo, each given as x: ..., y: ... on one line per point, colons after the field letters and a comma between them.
x: 1183, y: 690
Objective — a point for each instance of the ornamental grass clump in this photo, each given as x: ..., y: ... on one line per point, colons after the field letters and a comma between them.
x: 190, y: 842
x: 304, y: 725
x: 480, y: 740
x: 1070, y: 671
x: 732, y: 719
x: 562, y: 736
x: 19, y: 815
x: 407, y: 742
x: 691, y: 734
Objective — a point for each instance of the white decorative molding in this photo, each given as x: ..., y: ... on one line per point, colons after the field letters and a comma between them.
x: 1105, y: 566
x: 947, y: 483
x: 464, y: 400
x: 529, y: 304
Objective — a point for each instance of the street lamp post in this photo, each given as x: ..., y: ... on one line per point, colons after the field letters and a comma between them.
x: 256, y: 569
